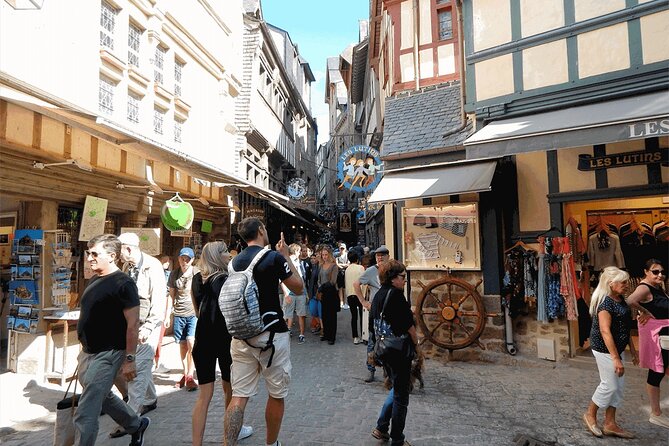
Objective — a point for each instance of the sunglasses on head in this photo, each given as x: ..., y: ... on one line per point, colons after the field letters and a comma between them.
x: 657, y: 272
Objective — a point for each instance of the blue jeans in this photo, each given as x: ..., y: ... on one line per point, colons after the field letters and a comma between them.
x: 370, y: 346
x: 96, y: 374
x: 394, y: 410
x: 184, y: 328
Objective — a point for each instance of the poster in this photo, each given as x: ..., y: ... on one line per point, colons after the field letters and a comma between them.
x: 23, y: 292
x: 149, y: 239
x: 93, y: 218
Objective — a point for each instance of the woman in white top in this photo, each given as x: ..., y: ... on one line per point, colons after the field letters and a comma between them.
x: 353, y: 273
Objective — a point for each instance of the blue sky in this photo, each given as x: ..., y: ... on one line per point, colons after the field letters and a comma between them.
x: 321, y: 29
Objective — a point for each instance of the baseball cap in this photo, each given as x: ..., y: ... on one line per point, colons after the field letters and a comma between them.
x: 129, y: 238
x: 187, y: 252
x: 383, y: 249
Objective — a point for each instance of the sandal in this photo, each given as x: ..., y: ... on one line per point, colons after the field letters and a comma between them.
x: 622, y: 433
x: 593, y: 428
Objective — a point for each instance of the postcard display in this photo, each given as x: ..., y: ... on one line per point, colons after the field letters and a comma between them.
x: 442, y: 237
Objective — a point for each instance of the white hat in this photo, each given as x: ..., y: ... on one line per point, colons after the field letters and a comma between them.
x: 129, y: 238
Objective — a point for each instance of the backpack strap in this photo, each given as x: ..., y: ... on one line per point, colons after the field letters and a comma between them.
x: 253, y: 263
x: 269, y: 345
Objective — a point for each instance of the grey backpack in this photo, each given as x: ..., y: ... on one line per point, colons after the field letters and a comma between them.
x: 239, y: 302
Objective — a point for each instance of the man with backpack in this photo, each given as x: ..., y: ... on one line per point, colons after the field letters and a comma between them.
x: 266, y: 353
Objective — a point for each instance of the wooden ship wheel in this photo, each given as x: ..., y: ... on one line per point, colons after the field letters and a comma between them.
x: 450, y: 313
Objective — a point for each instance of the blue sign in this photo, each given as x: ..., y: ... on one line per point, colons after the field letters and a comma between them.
x: 359, y: 169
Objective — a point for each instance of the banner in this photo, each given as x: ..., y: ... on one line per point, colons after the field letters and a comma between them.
x: 359, y: 169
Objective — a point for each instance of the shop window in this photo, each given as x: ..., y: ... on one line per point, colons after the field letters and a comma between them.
x: 158, y: 120
x: 445, y: 24
x: 133, y: 107
x: 441, y: 237
x: 106, y: 96
x: 158, y: 64
x: 134, y: 42
x: 107, y: 25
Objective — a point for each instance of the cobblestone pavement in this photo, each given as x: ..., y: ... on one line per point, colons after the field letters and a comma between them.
x: 463, y: 403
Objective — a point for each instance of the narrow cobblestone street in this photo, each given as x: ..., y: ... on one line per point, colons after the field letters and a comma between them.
x: 462, y: 403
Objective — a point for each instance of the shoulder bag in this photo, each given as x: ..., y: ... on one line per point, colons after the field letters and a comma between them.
x: 63, y: 431
x: 387, y: 343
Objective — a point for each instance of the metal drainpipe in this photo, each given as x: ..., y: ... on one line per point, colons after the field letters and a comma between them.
x: 416, y: 24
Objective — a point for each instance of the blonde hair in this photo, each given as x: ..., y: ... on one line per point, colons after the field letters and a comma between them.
x: 609, y: 275
x: 214, y: 259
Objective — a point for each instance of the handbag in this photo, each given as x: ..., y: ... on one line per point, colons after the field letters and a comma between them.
x: 387, y: 343
x: 63, y: 431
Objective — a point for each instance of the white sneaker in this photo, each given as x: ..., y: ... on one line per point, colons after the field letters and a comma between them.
x: 345, y: 306
x: 246, y: 432
x: 356, y: 341
x: 660, y: 420
x: 162, y: 369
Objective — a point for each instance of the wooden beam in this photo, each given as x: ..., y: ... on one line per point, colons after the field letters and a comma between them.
x: 3, y: 119
x: 37, y: 130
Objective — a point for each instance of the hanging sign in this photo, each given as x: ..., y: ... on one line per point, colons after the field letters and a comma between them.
x: 93, y: 218
x: 588, y: 162
x: 296, y: 188
x: 345, y: 222
x: 176, y: 214
x: 252, y: 210
x: 359, y: 168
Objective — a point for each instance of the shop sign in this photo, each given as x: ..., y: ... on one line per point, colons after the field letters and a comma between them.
x: 182, y: 233
x: 345, y: 222
x: 251, y: 210
x: 589, y: 162
x: 93, y: 218
x: 177, y: 215
x: 296, y: 188
x: 149, y: 239
x: 650, y: 128
x: 359, y: 168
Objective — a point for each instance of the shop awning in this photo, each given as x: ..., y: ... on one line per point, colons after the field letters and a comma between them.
x: 624, y: 119
x: 282, y: 208
x: 450, y: 179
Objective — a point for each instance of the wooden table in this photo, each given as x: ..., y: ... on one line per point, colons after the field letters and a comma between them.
x: 51, y: 323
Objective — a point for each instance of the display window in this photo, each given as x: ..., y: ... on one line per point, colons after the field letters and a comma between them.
x: 442, y: 237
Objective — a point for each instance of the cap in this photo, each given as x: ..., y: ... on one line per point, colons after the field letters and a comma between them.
x: 187, y: 252
x: 129, y: 238
x: 342, y: 245
x: 383, y: 249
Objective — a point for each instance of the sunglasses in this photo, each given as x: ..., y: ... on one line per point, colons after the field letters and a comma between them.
x: 657, y: 272
x: 92, y: 254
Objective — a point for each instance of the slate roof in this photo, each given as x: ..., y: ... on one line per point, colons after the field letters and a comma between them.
x: 425, y: 120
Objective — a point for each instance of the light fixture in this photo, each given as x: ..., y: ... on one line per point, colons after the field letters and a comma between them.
x: 81, y: 164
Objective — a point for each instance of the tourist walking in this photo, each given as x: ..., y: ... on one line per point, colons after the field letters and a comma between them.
x: 212, y: 340
x: 148, y: 274
x: 327, y: 292
x: 609, y: 337
x: 353, y: 273
x: 652, y: 303
x: 181, y: 284
x: 108, y: 331
x: 391, y: 310
x: 250, y: 361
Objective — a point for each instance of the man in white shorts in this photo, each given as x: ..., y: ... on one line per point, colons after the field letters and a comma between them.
x: 249, y: 361
x: 295, y: 303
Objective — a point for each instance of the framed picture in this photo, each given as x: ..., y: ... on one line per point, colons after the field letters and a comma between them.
x: 24, y: 273
x: 24, y: 311
x: 23, y: 292
x: 22, y: 325
x: 34, y: 313
x: 10, y: 322
x: 25, y: 259
x: 4, y: 239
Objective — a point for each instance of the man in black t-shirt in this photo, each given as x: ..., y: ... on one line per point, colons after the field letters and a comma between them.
x: 248, y: 359
x: 108, y: 330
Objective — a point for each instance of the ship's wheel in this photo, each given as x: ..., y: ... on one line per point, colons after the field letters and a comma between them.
x: 450, y: 313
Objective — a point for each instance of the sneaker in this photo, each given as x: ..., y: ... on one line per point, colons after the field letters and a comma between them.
x: 245, y: 432
x: 148, y: 408
x: 181, y: 383
x: 345, y: 307
x: 191, y: 384
x: 162, y: 370
x: 300, y: 339
x: 138, y: 437
x: 356, y: 341
x: 660, y: 420
x: 380, y: 435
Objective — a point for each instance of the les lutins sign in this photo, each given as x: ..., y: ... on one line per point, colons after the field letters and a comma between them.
x: 589, y: 162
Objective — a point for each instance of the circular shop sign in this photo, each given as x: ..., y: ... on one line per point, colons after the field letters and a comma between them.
x: 359, y: 168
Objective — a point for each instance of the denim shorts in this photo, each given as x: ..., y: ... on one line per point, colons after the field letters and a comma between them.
x: 184, y: 328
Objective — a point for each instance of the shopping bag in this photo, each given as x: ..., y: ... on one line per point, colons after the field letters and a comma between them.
x: 63, y: 432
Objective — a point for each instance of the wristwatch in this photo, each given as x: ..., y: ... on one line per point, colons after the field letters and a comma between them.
x: 130, y: 358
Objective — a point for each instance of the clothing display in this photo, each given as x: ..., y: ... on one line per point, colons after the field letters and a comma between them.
x: 604, y: 250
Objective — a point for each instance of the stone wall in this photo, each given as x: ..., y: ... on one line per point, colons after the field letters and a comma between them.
x: 492, y: 337
x: 526, y: 331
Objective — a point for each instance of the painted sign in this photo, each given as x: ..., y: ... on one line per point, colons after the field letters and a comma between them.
x: 359, y: 168
x: 93, y: 218
x: 149, y: 239
x: 650, y: 128
x: 296, y: 188
x: 589, y: 162
x: 177, y: 215
x: 345, y: 222
x: 251, y: 210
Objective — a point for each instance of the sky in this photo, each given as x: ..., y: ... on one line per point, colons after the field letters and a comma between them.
x: 321, y: 29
